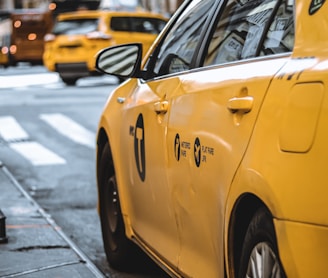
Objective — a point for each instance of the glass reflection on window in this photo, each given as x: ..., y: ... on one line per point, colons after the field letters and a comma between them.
x: 183, y: 39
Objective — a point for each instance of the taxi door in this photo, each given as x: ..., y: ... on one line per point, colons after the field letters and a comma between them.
x: 146, y: 115
x: 208, y: 132
x: 211, y: 120
x: 144, y: 156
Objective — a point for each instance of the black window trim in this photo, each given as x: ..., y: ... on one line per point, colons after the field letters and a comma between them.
x: 150, y: 64
x: 149, y: 76
x: 130, y: 19
x: 199, y: 52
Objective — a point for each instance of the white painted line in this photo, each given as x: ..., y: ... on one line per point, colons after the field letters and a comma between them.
x: 15, y: 81
x: 11, y: 130
x: 70, y: 129
x: 37, y: 154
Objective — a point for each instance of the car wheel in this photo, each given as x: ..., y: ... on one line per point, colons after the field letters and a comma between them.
x: 260, y: 257
x: 120, y: 251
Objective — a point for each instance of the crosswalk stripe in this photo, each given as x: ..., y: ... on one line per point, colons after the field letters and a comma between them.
x: 37, y: 154
x: 27, y: 80
x: 70, y: 129
x: 11, y: 130
x: 17, y: 139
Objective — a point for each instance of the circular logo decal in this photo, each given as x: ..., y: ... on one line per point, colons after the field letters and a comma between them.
x: 197, y: 152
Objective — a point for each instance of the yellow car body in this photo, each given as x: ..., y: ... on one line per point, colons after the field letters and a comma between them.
x: 196, y: 150
x: 76, y: 38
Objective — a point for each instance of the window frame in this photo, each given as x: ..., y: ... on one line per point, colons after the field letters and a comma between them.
x: 130, y: 19
x: 151, y: 62
x: 72, y: 31
x: 197, y: 61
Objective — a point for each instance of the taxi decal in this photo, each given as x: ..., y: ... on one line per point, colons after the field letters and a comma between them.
x: 315, y: 6
x: 180, y: 147
x: 197, y: 152
x: 177, y: 147
x: 139, y: 147
x: 201, y: 152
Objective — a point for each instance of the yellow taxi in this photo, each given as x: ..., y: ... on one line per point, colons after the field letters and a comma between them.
x: 76, y: 37
x: 212, y: 158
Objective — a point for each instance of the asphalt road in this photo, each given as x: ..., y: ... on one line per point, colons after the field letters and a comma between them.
x: 47, y: 140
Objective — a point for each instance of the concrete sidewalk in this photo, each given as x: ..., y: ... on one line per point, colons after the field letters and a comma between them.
x: 36, y: 246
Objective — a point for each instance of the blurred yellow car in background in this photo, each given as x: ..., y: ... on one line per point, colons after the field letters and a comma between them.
x: 71, y: 47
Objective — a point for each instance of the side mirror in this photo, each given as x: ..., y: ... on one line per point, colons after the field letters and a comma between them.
x: 122, y: 60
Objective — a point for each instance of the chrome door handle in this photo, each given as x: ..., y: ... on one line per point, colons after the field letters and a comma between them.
x: 240, y: 104
x: 161, y: 107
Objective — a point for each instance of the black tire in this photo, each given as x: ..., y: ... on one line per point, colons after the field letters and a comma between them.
x: 120, y: 251
x: 260, y: 241
x: 69, y: 81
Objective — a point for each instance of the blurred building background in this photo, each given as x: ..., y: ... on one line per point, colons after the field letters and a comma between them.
x: 22, y: 4
x: 166, y: 7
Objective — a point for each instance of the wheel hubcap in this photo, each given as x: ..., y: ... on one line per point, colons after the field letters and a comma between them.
x: 263, y: 262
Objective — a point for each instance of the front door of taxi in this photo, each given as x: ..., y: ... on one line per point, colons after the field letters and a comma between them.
x: 145, y: 156
x: 146, y: 115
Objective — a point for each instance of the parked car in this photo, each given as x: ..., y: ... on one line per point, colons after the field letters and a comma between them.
x: 4, y: 57
x: 76, y: 37
x: 213, y: 157
x: 5, y: 34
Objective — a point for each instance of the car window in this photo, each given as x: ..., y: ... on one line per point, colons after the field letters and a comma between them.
x: 280, y: 37
x: 242, y: 25
x: 137, y: 24
x: 75, y: 26
x: 180, y: 43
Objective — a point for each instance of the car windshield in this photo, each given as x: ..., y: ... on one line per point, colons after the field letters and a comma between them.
x: 137, y: 24
x: 75, y: 26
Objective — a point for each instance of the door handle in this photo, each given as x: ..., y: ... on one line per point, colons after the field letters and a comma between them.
x: 161, y: 107
x: 240, y: 104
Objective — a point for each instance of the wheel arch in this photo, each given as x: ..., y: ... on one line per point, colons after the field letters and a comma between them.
x: 242, y: 213
x: 102, y: 140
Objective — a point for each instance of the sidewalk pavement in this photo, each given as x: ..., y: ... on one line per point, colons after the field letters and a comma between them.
x: 31, y: 244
